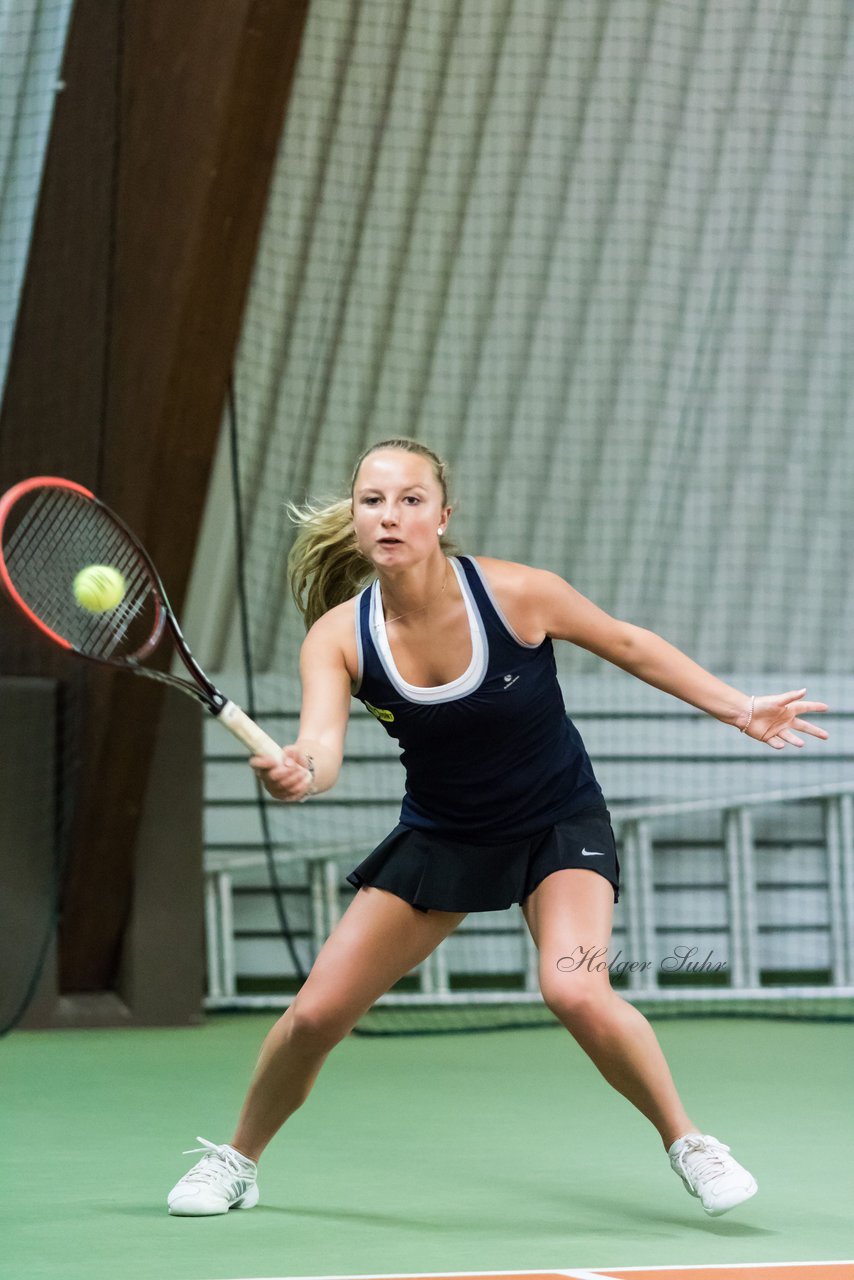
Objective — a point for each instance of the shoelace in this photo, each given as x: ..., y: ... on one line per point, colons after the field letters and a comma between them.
x: 710, y: 1162
x: 209, y: 1169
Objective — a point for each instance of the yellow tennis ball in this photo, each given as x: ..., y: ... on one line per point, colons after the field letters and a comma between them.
x: 99, y: 587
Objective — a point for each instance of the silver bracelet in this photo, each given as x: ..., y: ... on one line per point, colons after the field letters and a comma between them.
x: 311, y: 787
x: 750, y: 717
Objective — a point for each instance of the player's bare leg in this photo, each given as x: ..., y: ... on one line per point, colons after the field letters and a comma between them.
x: 378, y: 940
x: 569, y: 915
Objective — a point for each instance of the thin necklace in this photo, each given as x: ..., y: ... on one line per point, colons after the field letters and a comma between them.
x: 420, y: 608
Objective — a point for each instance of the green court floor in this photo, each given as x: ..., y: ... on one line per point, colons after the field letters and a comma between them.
x: 500, y: 1151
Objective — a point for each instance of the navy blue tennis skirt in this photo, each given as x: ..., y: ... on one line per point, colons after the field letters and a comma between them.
x: 435, y: 871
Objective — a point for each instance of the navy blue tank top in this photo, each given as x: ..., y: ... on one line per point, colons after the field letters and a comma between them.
x: 492, y: 756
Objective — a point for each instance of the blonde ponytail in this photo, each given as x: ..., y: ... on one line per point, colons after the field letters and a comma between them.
x: 325, y: 567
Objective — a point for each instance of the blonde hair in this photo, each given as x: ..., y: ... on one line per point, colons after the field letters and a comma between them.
x: 325, y: 566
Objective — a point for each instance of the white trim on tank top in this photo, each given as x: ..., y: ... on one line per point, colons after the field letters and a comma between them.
x: 471, y: 678
x: 360, y: 657
x: 502, y: 617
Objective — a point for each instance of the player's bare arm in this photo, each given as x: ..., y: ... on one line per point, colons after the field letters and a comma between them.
x: 326, y: 683
x: 543, y: 603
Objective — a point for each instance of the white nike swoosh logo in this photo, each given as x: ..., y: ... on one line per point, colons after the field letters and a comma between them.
x: 590, y: 854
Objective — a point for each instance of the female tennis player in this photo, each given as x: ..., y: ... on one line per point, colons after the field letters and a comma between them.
x: 453, y: 655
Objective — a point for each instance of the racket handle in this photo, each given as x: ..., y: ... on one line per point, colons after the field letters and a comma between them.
x: 248, y: 732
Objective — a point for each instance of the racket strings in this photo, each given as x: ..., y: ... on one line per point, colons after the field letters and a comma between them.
x: 59, y: 533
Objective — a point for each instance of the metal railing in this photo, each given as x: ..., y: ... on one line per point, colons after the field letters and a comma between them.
x: 634, y: 826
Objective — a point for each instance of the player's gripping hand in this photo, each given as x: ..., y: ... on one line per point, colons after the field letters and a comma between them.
x: 287, y: 777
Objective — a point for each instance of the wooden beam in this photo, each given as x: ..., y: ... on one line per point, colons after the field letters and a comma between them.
x: 196, y: 94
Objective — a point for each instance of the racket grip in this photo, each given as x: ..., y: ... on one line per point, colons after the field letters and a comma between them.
x: 247, y: 731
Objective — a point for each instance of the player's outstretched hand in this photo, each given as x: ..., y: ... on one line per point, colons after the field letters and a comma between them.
x: 776, y: 719
x: 285, y: 778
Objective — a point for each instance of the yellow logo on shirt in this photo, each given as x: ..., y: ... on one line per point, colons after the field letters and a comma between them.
x: 379, y: 713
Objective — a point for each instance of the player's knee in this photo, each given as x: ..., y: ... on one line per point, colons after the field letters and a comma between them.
x: 318, y: 1024
x: 574, y: 1000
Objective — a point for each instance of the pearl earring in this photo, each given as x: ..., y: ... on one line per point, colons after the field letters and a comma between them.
x: 441, y: 530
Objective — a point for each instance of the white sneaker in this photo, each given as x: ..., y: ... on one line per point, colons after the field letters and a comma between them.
x: 222, y: 1180
x: 708, y: 1172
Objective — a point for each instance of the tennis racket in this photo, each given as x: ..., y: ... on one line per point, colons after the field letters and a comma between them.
x: 50, y: 531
